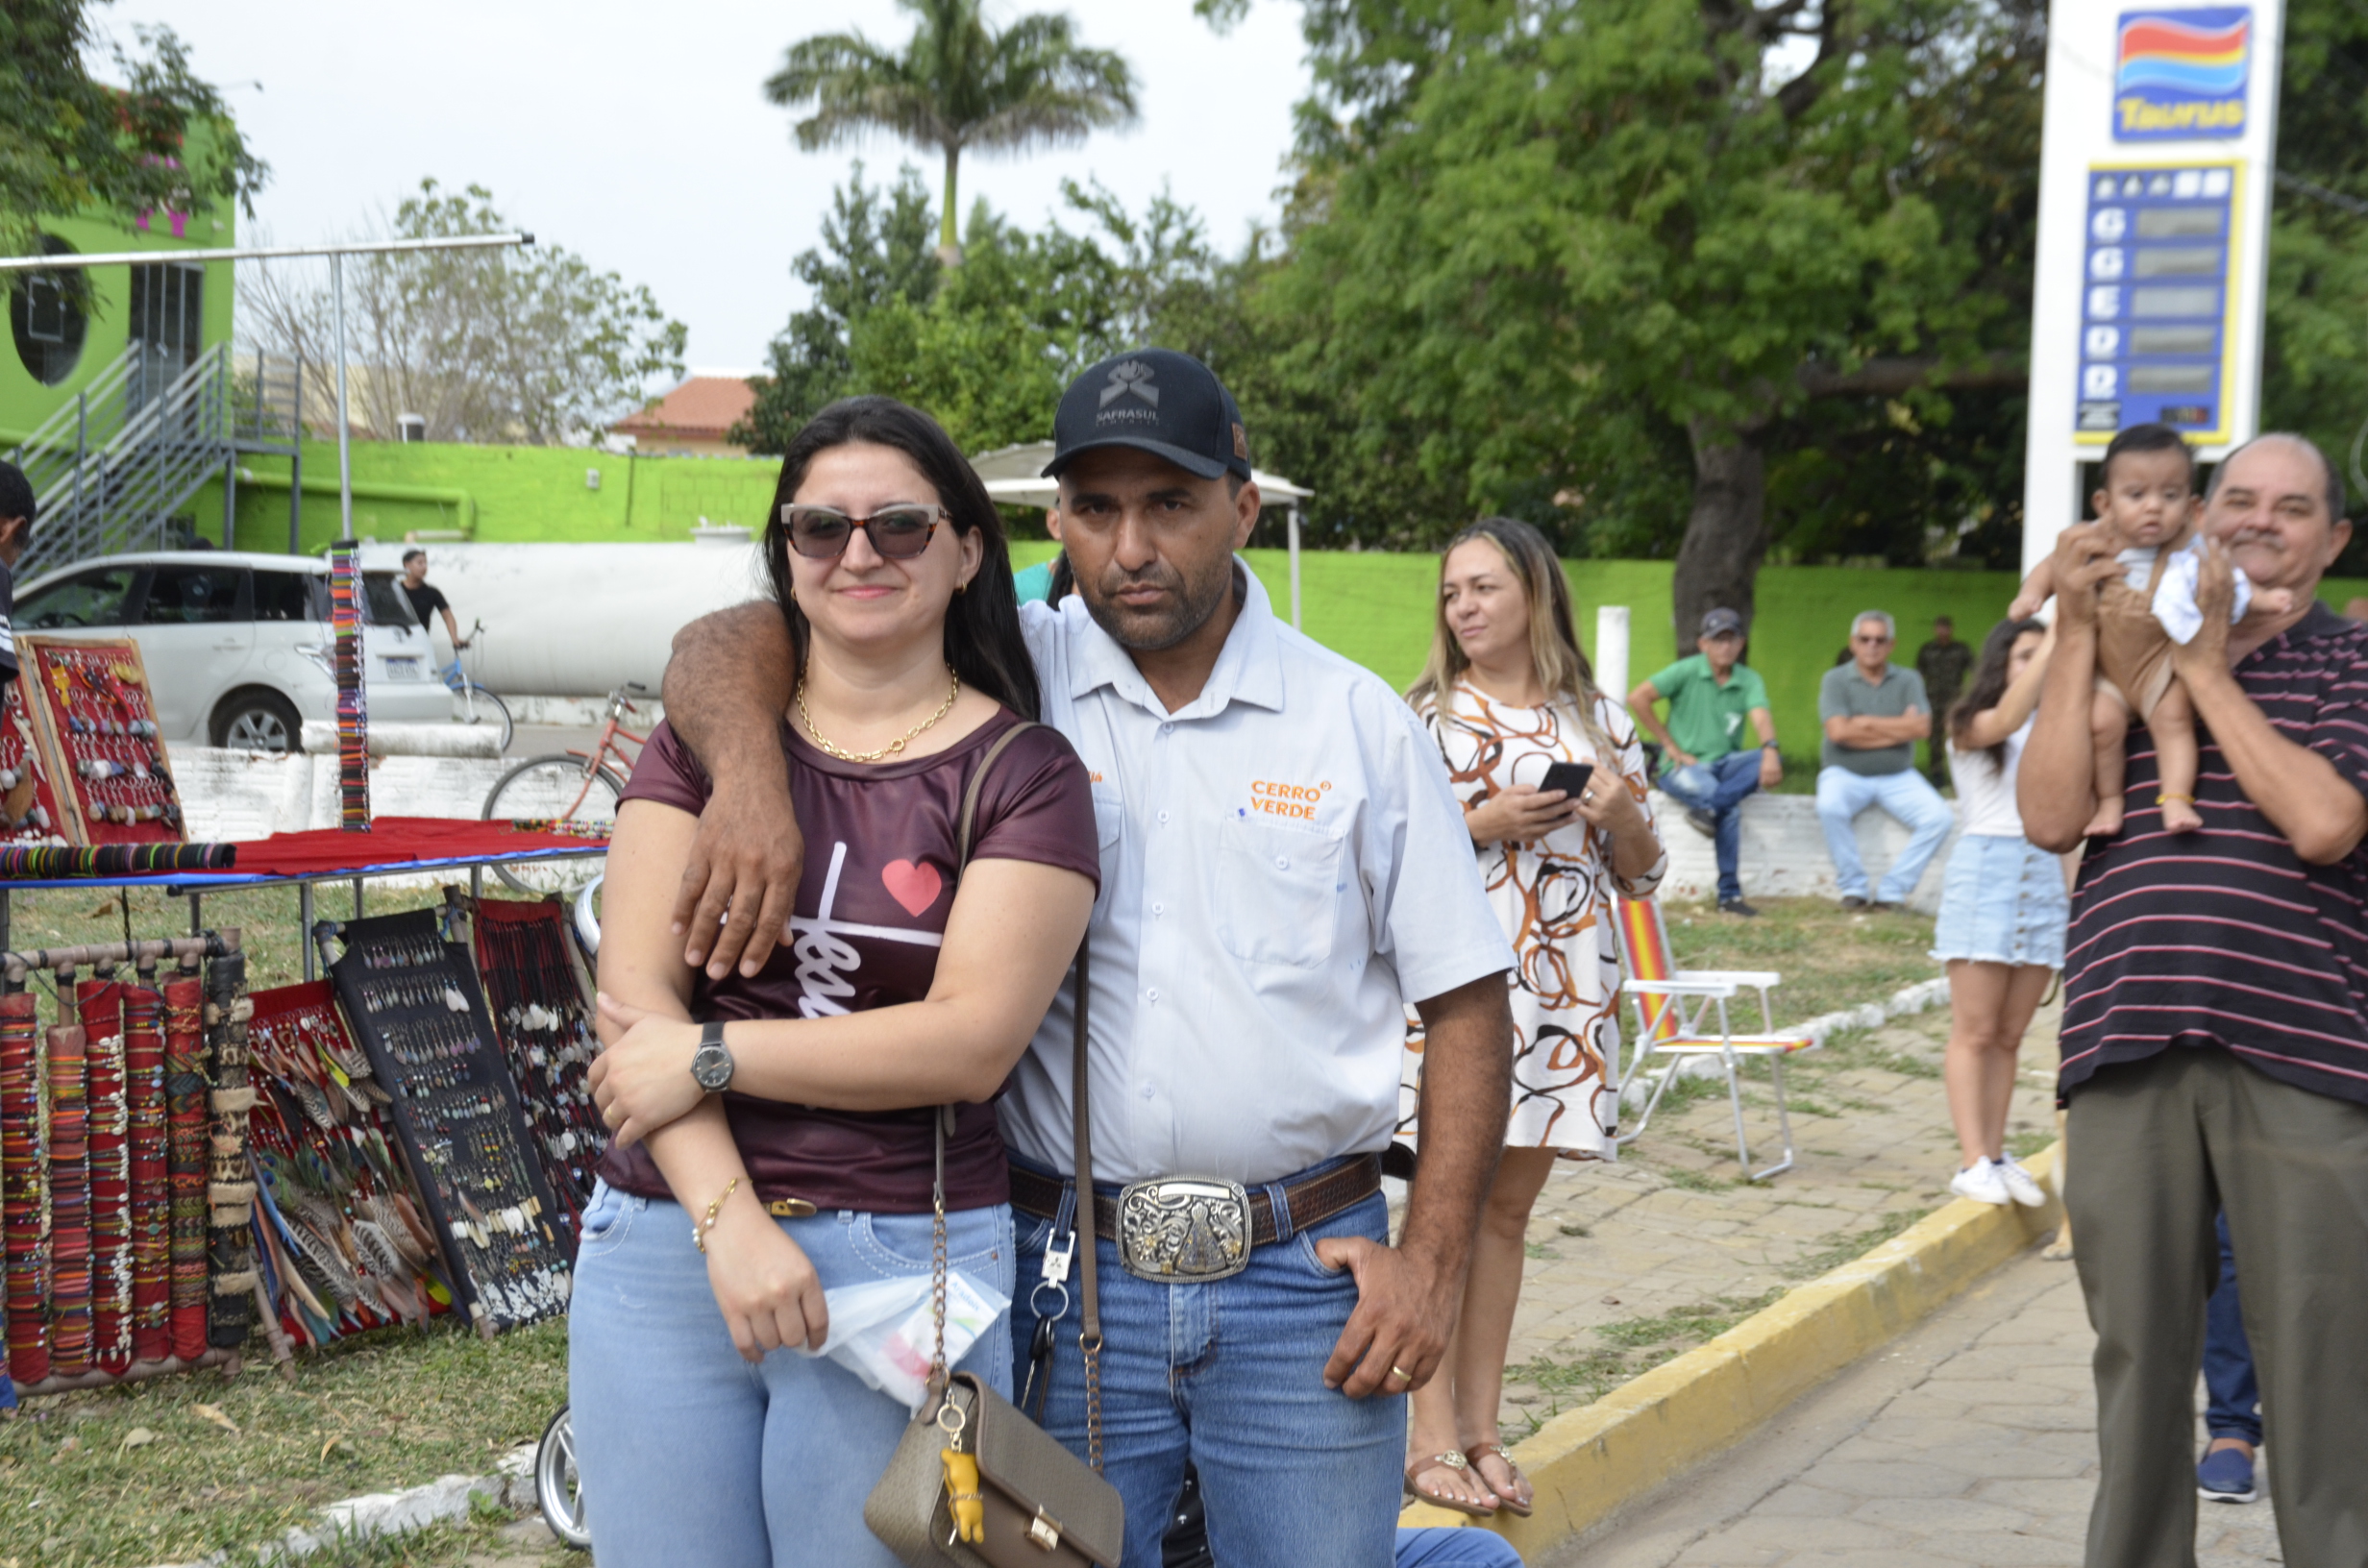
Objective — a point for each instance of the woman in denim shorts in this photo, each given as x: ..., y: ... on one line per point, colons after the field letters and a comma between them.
x: 2003, y: 909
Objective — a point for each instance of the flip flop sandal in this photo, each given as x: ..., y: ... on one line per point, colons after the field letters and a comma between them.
x: 1449, y: 1460
x: 1481, y: 1451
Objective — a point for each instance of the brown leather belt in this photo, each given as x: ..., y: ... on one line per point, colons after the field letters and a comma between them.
x: 1313, y: 1199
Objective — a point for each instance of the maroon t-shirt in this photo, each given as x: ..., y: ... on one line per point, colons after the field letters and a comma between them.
x: 880, y: 872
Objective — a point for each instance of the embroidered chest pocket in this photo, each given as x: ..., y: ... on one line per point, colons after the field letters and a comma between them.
x: 1278, y: 891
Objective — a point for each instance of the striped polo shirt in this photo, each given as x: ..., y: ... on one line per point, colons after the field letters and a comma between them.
x: 2225, y: 937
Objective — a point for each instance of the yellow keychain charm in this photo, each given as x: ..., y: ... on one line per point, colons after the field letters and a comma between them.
x: 962, y: 1497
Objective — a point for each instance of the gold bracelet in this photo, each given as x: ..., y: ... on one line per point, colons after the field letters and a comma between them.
x: 2167, y: 797
x: 701, y: 1228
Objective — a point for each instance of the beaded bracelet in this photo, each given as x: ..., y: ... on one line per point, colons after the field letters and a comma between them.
x: 699, y: 1230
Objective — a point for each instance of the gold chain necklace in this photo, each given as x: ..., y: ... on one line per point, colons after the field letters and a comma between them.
x: 893, y: 747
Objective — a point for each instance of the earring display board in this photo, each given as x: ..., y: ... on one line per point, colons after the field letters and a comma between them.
x: 542, y: 1010
x: 345, y: 1245
x: 95, y: 723
x: 414, y: 1004
x: 30, y: 811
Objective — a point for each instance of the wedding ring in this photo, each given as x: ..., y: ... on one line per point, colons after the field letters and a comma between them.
x: 1401, y: 1372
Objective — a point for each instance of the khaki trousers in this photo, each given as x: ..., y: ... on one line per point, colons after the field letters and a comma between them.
x: 2156, y: 1146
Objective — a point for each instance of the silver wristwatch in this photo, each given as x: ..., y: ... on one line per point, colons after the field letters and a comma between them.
x: 711, y: 1065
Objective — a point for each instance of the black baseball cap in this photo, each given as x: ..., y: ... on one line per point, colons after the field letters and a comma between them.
x: 1156, y: 401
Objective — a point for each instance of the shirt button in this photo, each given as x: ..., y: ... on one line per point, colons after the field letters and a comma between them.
x: 1159, y: 909
x: 1153, y: 994
x: 1162, y: 817
x: 1149, y: 1092
x: 1164, y: 729
x: 1282, y: 862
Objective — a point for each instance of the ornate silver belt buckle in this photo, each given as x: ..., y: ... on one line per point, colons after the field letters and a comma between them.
x: 1184, y: 1228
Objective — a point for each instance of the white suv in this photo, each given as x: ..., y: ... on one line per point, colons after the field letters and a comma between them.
x: 237, y: 645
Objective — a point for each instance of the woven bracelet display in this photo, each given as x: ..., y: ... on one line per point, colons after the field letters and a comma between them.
x: 413, y: 1002
x: 230, y: 1188
x: 184, y: 1116
x: 543, y: 1015
x: 99, y: 1002
x: 345, y: 1239
x: 30, y: 812
x: 348, y: 603
x: 152, y: 1224
x: 24, y: 1204
x: 57, y: 863
x: 69, y: 1202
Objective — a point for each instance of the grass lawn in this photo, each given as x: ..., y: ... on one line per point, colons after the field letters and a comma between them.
x: 1830, y: 957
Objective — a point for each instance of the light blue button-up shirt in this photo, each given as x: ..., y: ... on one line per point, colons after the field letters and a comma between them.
x: 1283, y: 869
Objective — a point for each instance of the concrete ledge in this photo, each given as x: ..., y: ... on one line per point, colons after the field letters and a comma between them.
x: 1587, y: 1464
x: 320, y: 739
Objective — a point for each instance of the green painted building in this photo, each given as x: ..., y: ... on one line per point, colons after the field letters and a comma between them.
x: 121, y: 407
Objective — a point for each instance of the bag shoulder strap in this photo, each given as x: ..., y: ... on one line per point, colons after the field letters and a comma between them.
x: 968, y: 820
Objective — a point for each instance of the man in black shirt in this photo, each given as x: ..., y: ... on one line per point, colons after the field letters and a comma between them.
x: 16, y: 531
x: 427, y: 600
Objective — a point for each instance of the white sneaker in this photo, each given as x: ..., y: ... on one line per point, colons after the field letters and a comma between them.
x: 2022, y: 1186
x: 1980, y: 1182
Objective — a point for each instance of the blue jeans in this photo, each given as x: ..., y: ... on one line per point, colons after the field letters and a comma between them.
x: 1229, y: 1374
x: 1455, y: 1549
x: 2234, y: 1409
x: 690, y: 1455
x: 1719, y: 787
x: 1908, y: 799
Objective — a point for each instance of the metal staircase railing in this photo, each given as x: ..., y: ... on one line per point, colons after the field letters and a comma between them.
x: 109, y: 469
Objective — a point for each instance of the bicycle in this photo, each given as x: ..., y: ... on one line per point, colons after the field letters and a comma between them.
x: 578, y: 788
x: 474, y: 704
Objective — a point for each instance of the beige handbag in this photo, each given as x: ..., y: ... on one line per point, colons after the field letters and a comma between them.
x: 975, y: 1483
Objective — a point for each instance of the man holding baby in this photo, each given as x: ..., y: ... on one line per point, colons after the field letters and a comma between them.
x: 2215, y: 1023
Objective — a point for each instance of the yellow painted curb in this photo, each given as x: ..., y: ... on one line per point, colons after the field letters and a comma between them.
x: 1585, y: 1463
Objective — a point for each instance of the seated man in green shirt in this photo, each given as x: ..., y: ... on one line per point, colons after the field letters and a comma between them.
x: 1711, y: 697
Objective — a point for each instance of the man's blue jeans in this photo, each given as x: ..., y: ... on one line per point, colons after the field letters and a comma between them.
x: 1229, y: 1374
x: 2234, y: 1409
x: 1908, y: 799
x: 1719, y: 787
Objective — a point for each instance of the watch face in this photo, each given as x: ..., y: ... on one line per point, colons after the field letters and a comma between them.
x: 711, y: 1066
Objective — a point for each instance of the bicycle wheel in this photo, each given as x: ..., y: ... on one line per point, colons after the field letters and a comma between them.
x: 473, y: 704
x: 554, y: 789
x: 558, y: 1490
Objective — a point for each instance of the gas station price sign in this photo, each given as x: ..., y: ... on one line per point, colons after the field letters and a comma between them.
x: 2158, y: 311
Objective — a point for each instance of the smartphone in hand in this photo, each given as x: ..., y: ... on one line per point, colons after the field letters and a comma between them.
x: 1570, y: 777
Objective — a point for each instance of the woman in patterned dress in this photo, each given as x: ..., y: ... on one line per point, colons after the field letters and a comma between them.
x: 1506, y: 694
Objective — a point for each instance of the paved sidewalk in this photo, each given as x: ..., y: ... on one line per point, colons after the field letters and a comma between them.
x: 1636, y: 1261
x: 1972, y: 1438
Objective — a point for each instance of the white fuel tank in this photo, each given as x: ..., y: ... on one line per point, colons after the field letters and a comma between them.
x: 577, y: 620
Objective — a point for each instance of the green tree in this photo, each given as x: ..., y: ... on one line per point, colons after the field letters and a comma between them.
x: 71, y: 145
x: 958, y: 83
x: 2314, y: 368
x: 1529, y: 232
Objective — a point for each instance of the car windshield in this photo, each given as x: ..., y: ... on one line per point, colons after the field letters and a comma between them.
x: 87, y: 598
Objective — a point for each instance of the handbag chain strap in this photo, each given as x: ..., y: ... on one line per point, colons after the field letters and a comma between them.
x: 1089, y: 1296
x: 943, y: 1116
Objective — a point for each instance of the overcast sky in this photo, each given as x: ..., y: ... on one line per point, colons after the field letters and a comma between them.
x: 638, y: 134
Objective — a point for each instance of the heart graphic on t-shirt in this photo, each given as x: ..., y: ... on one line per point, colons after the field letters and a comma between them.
x: 915, y: 887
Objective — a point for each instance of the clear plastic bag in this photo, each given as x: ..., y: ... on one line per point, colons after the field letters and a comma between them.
x: 882, y: 1332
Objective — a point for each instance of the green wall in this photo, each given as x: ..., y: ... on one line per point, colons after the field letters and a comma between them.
x: 497, y: 495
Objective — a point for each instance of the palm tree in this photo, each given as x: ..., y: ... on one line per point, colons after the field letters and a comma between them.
x: 958, y: 83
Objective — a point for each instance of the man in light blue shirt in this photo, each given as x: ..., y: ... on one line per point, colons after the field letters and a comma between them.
x: 1284, y: 870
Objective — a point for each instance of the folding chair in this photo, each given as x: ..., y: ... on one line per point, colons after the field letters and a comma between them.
x: 1683, y: 1013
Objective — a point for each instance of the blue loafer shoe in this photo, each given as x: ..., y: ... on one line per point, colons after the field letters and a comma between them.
x: 2226, y: 1477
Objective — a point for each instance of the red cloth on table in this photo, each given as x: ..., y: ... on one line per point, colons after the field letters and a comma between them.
x: 395, y: 841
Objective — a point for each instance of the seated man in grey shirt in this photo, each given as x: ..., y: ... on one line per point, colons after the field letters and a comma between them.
x: 1873, y: 712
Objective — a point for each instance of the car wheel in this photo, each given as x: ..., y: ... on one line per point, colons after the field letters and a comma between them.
x: 257, y: 720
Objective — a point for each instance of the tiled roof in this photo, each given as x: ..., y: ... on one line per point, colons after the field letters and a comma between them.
x: 702, y: 408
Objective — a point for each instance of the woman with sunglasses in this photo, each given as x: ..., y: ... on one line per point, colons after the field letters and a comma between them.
x: 775, y: 1132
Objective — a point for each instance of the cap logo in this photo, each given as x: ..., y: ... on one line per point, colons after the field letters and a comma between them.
x: 1130, y: 378
x: 1240, y: 443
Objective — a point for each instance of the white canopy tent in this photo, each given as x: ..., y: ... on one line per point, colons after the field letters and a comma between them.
x: 1014, y: 476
